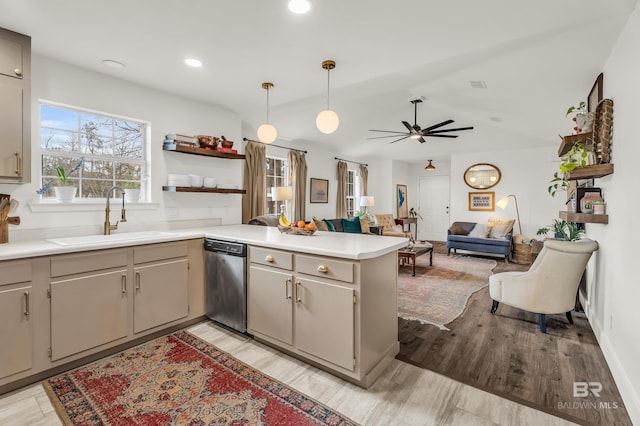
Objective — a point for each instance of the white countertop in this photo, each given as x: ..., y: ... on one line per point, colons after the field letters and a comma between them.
x: 336, y: 244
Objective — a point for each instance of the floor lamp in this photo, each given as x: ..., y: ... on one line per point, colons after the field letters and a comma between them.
x: 503, y: 204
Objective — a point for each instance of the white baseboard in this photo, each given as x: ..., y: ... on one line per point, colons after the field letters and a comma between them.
x: 628, y: 392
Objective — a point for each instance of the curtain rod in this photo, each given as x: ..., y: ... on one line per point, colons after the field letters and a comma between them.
x: 272, y: 144
x: 349, y: 161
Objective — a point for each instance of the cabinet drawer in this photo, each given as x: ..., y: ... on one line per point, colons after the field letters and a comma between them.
x: 87, y: 262
x: 327, y: 268
x: 160, y: 251
x: 271, y: 257
x: 15, y: 272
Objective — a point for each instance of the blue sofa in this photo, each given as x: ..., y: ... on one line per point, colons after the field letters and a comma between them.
x: 457, y: 238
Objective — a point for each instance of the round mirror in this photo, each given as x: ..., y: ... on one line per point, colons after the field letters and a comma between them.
x: 482, y: 176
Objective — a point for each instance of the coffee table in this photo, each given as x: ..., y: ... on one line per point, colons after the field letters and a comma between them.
x: 407, y: 255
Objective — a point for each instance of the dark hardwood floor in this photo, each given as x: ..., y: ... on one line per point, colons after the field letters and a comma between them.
x: 507, y: 355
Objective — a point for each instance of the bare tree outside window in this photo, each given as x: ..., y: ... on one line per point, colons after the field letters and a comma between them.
x: 113, y: 149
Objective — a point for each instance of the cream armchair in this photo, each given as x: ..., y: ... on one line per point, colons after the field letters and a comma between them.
x: 550, y: 285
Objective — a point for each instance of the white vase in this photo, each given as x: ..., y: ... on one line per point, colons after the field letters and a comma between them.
x: 65, y: 194
x: 132, y: 195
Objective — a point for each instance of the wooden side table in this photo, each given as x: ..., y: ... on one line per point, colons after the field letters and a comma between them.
x: 376, y: 229
x: 408, y: 221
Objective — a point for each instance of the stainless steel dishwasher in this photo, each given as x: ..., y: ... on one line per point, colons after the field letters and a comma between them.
x: 226, y: 283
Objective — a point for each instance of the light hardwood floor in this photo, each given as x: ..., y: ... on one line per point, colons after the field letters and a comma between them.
x: 403, y: 395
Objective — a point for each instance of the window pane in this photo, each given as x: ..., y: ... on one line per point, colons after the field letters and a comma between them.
x: 58, y: 118
x: 93, y: 188
x: 97, y: 169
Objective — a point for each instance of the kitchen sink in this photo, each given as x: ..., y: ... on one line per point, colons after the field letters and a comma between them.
x: 96, y: 239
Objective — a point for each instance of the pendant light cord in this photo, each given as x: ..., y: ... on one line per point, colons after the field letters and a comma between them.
x: 267, y: 105
x: 328, y: 86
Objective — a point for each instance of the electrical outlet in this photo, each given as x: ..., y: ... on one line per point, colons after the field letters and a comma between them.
x: 173, y: 212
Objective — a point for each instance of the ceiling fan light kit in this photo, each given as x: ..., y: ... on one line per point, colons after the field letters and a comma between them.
x: 267, y: 133
x: 299, y: 6
x: 327, y: 120
x: 415, y: 131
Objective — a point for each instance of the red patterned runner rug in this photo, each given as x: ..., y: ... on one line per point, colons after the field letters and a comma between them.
x: 180, y: 379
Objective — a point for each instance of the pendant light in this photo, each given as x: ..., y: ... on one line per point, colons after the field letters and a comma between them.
x: 430, y: 167
x: 327, y: 121
x: 267, y: 133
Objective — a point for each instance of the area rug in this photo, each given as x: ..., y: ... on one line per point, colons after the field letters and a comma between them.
x: 438, y: 294
x: 180, y: 379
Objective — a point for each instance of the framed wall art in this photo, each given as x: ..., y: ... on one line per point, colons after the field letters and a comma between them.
x: 401, y: 201
x: 595, y: 95
x: 482, y: 201
x: 319, y: 191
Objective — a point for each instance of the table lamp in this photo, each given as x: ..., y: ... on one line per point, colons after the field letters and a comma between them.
x: 367, y: 201
x: 282, y: 193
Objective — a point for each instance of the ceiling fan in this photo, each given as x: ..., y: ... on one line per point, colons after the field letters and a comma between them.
x: 415, y: 131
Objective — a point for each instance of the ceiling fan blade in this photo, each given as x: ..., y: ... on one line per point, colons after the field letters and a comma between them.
x: 389, y: 136
x: 441, y: 136
x: 435, y: 126
x: 421, y: 139
x: 398, y: 140
x: 451, y: 130
x: 387, y: 131
x: 409, y: 127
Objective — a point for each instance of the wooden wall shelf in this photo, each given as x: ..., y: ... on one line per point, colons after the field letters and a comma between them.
x: 588, y: 172
x: 201, y: 151
x: 584, y: 217
x: 210, y: 190
x: 568, y: 141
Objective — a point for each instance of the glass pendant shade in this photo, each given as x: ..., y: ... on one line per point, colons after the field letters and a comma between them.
x: 327, y: 121
x: 299, y: 6
x: 267, y: 133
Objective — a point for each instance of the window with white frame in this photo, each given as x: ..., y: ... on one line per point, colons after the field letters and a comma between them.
x: 352, y: 191
x: 276, y: 176
x: 104, y: 150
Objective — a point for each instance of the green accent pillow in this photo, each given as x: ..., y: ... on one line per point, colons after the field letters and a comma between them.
x: 329, y: 225
x: 352, y: 225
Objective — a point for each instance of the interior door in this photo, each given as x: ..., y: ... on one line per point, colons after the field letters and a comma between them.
x: 433, y: 207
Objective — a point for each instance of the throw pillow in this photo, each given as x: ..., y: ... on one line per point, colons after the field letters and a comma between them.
x: 337, y: 224
x: 330, y: 226
x: 499, y: 231
x: 481, y: 230
x: 351, y: 225
x: 364, y: 226
x: 458, y: 229
x: 493, y: 221
x: 321, y: 225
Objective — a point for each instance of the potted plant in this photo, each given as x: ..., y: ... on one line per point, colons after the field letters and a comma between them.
x: 576, y: 157
x: 64, y: 192
x: 583, y: 119
x: 413, y: 213
x: 598, y: 207
x: 562, y: 230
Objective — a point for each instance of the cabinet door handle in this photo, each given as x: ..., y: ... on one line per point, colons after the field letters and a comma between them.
x: 286, y: 289
x: 298, y: 299
x: 18, y: 72
x: 137, y: 280
x: 323, y: 268
x: 124, y: 283
x: 268, y: 258
x: 18, y: 168
x: 27, y: 309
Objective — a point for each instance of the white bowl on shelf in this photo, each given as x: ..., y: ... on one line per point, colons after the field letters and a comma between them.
x: 210, y: 182
x: 196, y: 181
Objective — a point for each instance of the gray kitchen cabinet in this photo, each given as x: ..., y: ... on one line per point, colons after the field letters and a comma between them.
x: 89, y: 299
x: 16, y: 332
x: 270, y: 303
x: 15, y: 111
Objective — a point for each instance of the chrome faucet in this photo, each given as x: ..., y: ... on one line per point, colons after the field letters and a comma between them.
x: 108, y: 227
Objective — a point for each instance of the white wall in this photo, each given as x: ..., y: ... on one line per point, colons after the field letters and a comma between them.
x: 615, y: 315
x: 525, y: 173
x: 63, y: 83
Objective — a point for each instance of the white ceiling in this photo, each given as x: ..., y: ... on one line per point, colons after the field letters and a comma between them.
x: 536, y: 57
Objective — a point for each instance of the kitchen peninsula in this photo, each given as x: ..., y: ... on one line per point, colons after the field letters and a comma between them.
x: 329, y: 299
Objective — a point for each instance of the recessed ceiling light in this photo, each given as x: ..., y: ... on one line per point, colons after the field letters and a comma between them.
x: 113, y: 64
x: 193, y: 62
x: 478, y: 84
x: 496, y: 119
x: 299, y: 6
